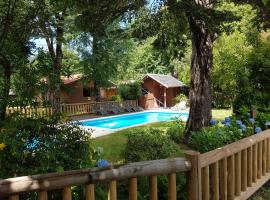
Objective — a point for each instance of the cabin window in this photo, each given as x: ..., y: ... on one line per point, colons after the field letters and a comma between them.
x: 87, y: 92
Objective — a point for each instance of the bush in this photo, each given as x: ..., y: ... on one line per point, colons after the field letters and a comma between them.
x: 116, y: 98
x: 261, y: 119
x: 152, y: 144
x: 130, y: 91
x: 149, y: 144
x: 207, y: 139
x: 263, y: 116
x: 217, y: 136
x: 176, y: 131
x: 179, y: 98
x: 40, y: 145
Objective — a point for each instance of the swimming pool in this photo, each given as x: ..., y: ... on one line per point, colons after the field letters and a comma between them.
x: 128, y: 120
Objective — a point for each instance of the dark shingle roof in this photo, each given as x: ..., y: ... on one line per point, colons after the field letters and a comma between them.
x: 167, y: 81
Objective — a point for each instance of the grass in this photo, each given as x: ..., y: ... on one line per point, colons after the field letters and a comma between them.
x: 220, y: 114
x: 113, y: 145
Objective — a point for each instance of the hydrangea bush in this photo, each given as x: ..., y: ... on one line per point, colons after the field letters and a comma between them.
x: 40, y: 145
x: 219, y: 134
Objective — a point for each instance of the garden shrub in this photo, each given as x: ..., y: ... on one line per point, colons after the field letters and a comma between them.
x: 176, y: 131
x: 116, y: 98
x: 41, y: 145
x: 152, y: 144
x: 179, y: 98
x: 208, y: 139
x: 149, y: 144
x: 131, y: 91
x: 217, y: 136
x: 262, y: 118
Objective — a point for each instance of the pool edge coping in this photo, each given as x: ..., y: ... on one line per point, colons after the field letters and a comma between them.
x: 108, y: 131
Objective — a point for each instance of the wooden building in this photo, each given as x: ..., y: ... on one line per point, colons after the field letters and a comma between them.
x: 159, y: 91
x: 76, y: 90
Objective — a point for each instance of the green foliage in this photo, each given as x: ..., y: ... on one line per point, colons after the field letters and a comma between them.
x: 116, y: 98
x: 246, y: 18
x: 208, y: 139
x: 254, y: 86
x: 42, y: 145
x: 104, y: 56
x: 176, y: 131
x: 149, y: 144
x: 130, y: 91
x: 262, y: 118
x: 15, y: 17
x: 258, y: 64
x: 179, y: 98
x: 217, y: 136
x: 144, y: 58
x: 152, y: 144
x: 229, y: 70
x: 70, y: 63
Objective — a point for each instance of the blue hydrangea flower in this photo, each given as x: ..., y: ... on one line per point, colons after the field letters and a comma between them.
x: 258, y: 129
x: 227, y: 119
x: 239, y: 122
x: 213, y: 122
x: 223, y: 122
x: 243, y: 127
x: 102, y: 163
x: 32, y: 144
x: 251, y: 120
x: 228, y: 124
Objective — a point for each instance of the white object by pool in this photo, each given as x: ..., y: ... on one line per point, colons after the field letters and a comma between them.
x: 106, y: 125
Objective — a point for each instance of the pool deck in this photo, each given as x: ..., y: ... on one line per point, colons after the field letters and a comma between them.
x: 99, y: 132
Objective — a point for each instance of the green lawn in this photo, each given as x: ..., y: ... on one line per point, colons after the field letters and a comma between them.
x: 220, y: 114
x: 113, y: 145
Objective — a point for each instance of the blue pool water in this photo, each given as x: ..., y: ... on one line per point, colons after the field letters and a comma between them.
x: 128, y: 120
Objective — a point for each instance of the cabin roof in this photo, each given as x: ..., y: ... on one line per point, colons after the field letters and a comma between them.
x: 167, y: 81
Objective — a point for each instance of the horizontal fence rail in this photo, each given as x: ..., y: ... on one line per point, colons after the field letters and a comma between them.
x: 67, y: 109
x: 15, y: 186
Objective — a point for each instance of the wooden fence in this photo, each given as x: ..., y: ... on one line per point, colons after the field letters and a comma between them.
x: 233, y: 172
x: 66, y: 109
x: 89, y: 177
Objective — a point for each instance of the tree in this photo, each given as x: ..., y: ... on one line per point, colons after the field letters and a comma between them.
x: 102, y: 65
x: 230, y: 65
x: 263, y: 7
x: 16, y: 22
x: 167, y: 33
x: 258, y: 64
x: 95, y: 21
x: 201, y: 63
x: 52, y: 21
x: 204, y: 21
x: 231, y: 52
x: 145, y: 58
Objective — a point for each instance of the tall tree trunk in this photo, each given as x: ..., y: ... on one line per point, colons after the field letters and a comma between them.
x: 94, y: 54
x: 96, y: 91
x: 5, y: 91
x: 200, y: 86
x: 57, y: 65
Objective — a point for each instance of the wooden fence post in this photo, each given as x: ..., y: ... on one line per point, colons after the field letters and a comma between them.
x: 194, y: 176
